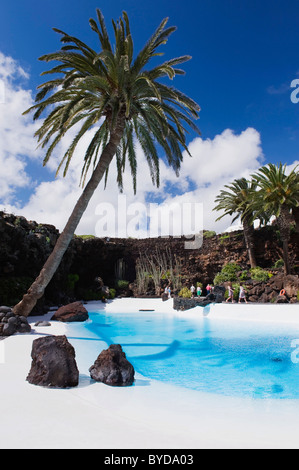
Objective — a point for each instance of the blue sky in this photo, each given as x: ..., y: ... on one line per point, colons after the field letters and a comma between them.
x: 244, y: 58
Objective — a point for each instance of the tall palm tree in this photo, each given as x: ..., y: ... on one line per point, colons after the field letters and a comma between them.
x: 295, y: 210
x: 113, y: 94
x: 277, y: 194
x: 237, y: 200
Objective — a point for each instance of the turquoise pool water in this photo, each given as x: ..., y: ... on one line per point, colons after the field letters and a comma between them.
x: 229, y: 357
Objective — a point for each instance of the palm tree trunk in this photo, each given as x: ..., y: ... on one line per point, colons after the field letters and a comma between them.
x: 36, y: 290
x: 283, y: 222
x: 286, y: 258
x: 295, y: 211
x: 249, y: 242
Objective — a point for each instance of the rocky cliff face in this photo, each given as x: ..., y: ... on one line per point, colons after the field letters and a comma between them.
x: 25, y: 245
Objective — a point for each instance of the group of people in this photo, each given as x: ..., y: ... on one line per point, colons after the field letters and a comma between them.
x: 209, y: 289
x: 242, y: 294
x: 199, y: 291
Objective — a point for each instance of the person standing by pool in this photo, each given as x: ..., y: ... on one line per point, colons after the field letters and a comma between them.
x: 230, y: 293
x: 198, y: 291
x: 167, y: 291
x: 192, y: 288
x: 208, y: 289
x: 242, y: 295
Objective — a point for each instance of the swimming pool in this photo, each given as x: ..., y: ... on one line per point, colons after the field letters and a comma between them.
x: 228, y: 357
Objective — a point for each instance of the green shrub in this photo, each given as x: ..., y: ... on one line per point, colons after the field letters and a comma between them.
x: 85, y: 237
x: 236, y: 288
x: 278, y: 264
x: 227, y: 273
x: 90, y: 294
x: 219, y: 279
x: 209, y: 234
x: 185, y: 292
x: 166, y: 275
x: 223, y: 238
x: 112, y: 293
x: 259, y: 274
x: 231, y: 267
x: 122, y: 284
x: 243, y: 276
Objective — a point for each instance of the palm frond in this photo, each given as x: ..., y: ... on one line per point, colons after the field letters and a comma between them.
x: 112, y: 92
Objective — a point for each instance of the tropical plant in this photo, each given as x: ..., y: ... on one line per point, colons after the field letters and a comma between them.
x: 121, y: 284
x: 243, y: 276
x: 142, y: 276
x: 259, y: 274
x: 227, y: 274
x: 236, y: 289
x: 158, y: 266
x: 112, y: 293
x: 209, y: 234
x: 237, y: 199
x: 295, y: 211
x: 185, y: 293
x: 115, y: 96
x: 278, y: 264
x: 277, y: 194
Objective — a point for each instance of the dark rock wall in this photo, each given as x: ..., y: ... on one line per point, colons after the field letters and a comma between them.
x: 25, y: 245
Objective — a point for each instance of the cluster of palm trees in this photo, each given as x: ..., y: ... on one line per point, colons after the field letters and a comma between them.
x: 270, y: 193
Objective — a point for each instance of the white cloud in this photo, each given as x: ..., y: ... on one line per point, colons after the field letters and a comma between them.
x: 10, y: 69
x: 17, y: 143
x: 227, y: 156
x: 214, y: 163
x: 292, y: 167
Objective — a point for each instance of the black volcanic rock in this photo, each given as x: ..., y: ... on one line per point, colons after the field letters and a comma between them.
x: 53, y: 363
x: 112, y: 367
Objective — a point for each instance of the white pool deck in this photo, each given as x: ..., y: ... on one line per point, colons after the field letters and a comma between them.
x: 148, y: 415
